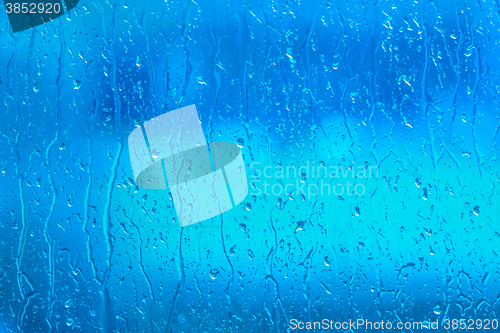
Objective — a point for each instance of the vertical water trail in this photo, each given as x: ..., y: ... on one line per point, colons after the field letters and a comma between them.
x: 186, y: 39
x: 107, y: 320
x: 166, y: 76
x: 28, y: 295
x: 272, y: 311
x: 14, y: 143
x: 241, y: 66
x: 456, y: 69
x: 24, y: 296
x: 480, y: 74
x: 196, y: 275
x: 347, y: 72
x: 313, y: 112
x: 310, y: 255
x: 451, y: 259
x: 374, y: 47
x: 141, y: 24
x: 310, y: 24
x: 51, y: 178
x: 214, y: 87
x: 426, y: 99
x: 180, y: 284
x: 447, y: 142
x: 143, y: 271
x: 86, y: 199
x: 270, y: 258
x: 229, y: 287
x: 24, y: 230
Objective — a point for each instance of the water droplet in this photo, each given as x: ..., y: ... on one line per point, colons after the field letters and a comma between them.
x: 155, y: 153
x: 327, y: 261
x: 201, y: 80
x: 182, y: 318
x: 214, y: 273
x: 303, y: 177
x: 300, y: 225
x: 279, y: 203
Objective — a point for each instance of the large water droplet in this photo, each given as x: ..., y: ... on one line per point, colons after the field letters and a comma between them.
x: 437, y: 309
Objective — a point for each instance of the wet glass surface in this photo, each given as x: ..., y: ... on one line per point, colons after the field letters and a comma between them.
x: 397, y: 101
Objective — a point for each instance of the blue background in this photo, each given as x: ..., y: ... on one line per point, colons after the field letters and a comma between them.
x: 410, y: 87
